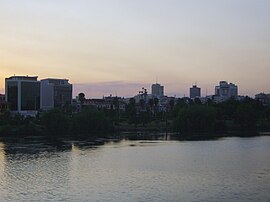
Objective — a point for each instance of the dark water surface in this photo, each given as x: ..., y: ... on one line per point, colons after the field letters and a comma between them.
x: 229, y: 169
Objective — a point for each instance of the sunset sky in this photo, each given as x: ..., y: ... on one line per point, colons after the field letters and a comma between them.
x: 118, y: 46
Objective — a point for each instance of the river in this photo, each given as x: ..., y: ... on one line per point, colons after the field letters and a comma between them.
x: 228, y: 169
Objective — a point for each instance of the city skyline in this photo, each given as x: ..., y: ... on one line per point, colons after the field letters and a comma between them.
x: 156, y: 89
x: 117, y: 47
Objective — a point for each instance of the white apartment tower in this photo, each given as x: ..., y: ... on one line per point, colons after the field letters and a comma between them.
x: 195, y: 92
x: 226, y: 90
x: 157, y: 90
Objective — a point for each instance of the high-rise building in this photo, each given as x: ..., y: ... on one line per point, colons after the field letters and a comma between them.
x: 55, y: 93
x: 23, y: 94
x: 157, y: 90
x: 226, y: 90
x: 195, y: 91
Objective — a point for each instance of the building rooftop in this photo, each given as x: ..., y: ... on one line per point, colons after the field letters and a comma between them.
x: 56, y: 81
x: 194, y: 86
x: 19, y: 78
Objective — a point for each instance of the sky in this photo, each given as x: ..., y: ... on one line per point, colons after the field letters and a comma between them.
x: 119, y: 46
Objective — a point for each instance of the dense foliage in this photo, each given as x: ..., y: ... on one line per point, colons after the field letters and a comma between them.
x: 198, y: 118
x: 57, y: 123
x: 189, y: 116
x: 183, y: 115
x: 232, y: 115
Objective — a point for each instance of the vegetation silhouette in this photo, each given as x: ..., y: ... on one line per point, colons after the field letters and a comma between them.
x: 184, y: 116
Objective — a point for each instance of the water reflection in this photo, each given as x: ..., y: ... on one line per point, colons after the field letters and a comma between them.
x: 33, y: 145
x: 230, y: 169
x: 2, y: 164
x: 148, y: 136
x: 39, y: 145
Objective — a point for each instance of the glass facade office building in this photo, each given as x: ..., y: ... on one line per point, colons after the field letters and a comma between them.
x: 30, y: 95
x: 12, y: 94
x: 55, y: 93
x: 23, y: 93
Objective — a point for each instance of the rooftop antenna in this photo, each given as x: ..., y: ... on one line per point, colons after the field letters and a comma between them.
x: 206, y: 92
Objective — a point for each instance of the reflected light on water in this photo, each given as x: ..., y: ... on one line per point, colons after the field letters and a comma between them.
x: 2, y: 159
x: 230, y: 169
x: 2, y: 168
x: 2, y: 152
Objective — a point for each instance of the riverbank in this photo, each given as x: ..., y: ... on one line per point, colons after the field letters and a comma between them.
x: 191, y: 120
x: 95, y: 140
x: 37, y: 144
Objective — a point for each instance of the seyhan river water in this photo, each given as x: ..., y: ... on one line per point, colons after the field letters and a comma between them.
x: 229, y: 169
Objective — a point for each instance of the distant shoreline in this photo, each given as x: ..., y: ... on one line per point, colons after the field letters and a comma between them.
x: 146, y: 135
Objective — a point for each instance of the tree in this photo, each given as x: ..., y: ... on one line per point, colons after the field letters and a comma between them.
x: 81, y: 97
x: 151, y: 104
x: 142, y: 104
x: 171, y: 104
x: 196, y: 118
x: 227, y: 110
x: 131, y: 111
x: 90, y: 122
x: 246, y: 116
x: 156, y: 101
x: 197, y: 101
x: 56, y: 123
x: 116, y: 103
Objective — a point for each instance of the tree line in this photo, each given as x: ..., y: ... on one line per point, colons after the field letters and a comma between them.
x: 184, y: 116
x: 57, y: 123
x: 192, y: 116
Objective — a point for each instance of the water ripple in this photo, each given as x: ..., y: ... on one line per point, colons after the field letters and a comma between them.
x: 148, y: 171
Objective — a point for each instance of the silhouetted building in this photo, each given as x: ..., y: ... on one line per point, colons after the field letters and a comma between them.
x: 2, y: 97
x: 23, y: 94
x: 225, y: 91
x: 143, y: 95
x: 263, y: 98
x: 109, y: 103
x: 194, y: 92
x: 157, y: 90
x: 3, y: 103
x: 55, y: 93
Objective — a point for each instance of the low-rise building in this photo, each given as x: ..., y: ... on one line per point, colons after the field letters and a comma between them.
x: 263, y: 98
x: 143, y: 95
x: 3, y: 104
x: 108, y: 103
